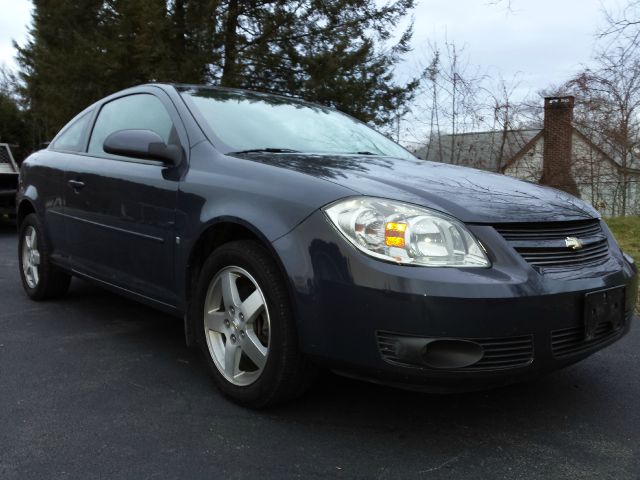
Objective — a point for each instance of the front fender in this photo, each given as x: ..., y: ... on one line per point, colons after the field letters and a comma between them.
x: 273, y: 199
x: 268, y: 201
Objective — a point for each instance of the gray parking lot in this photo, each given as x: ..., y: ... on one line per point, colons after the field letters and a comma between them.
x: 96, y: 386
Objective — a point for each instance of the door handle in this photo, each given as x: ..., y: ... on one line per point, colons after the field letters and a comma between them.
x: 76, y: 184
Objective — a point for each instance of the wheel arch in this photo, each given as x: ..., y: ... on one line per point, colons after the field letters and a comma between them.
x: 213, y: 235
x: 25, y: 207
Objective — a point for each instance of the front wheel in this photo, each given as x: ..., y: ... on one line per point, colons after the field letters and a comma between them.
x: 245, y: 328
x: 40, y: 279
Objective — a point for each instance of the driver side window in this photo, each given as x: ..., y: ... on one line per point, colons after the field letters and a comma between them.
x: 140, y: 111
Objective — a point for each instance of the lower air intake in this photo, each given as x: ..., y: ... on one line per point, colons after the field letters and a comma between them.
x: 497, y: 352
x: 572, y: 341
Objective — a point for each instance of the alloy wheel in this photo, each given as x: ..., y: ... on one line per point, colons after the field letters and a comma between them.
x: 237, y: 325
x: 30, y: 257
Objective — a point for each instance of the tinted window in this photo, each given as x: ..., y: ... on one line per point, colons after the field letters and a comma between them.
x: 72, y: 135
x: 245, y: 121
x: 142, y: 111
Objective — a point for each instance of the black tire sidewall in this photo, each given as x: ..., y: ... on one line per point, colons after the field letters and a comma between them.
x: 50, y: 283
x: 254, y: 259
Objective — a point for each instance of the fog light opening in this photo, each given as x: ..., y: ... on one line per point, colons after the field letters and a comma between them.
x: 451, y: 353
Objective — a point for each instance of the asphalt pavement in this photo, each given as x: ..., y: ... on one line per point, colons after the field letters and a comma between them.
x: 97, y: 386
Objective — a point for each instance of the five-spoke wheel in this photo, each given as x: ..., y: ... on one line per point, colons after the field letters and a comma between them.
x: 242, y: 319
x: 237, y: 327
x: 41, y: 279
x: 30, y: 256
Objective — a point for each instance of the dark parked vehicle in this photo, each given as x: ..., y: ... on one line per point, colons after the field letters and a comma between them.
x: 8, y: 181
x: 290, y: 236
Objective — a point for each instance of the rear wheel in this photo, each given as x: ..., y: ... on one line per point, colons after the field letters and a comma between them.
x: 40, y: 279
x: 245, y: 328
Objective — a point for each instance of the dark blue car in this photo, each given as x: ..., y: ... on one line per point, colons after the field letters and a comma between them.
x: 290, y: 236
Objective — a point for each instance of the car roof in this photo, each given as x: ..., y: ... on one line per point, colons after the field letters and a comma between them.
x: 182, y: 87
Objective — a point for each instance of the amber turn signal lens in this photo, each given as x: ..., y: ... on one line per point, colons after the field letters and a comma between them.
x: 394, y: 234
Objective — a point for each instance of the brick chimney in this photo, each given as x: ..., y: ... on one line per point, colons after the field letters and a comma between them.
x: 556, y: 171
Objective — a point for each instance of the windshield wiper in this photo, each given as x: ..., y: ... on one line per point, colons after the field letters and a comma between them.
x: 366, y: 152
x: 269, y: 150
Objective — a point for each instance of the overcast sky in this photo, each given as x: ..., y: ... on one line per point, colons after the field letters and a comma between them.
x: 543, y: 41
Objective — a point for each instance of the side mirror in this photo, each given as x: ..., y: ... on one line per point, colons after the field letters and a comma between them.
x: 143, y: 144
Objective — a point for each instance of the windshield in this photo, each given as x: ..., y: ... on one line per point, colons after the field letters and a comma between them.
x: 248, y: 121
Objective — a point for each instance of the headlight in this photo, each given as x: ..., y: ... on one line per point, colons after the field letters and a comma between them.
x: 407, y: 234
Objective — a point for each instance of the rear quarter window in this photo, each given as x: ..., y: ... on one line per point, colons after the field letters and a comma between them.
x: 71, y: 137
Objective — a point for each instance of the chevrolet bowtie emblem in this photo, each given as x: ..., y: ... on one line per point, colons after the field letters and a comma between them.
x: 573, y: 243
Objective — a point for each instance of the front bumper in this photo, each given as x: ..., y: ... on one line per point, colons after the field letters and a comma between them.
x: 356, y: 313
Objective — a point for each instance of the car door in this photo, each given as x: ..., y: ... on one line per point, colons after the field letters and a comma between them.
x: 120, y: 211
x: 48, y: 173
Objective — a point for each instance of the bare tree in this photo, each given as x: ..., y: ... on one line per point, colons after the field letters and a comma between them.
x: 622, y: 25
x: 505, y: 114
x: 609, y: 112
x: 449, y: 98
x: 461, y: 84
x: 507, y: 4
x: 430, y: 80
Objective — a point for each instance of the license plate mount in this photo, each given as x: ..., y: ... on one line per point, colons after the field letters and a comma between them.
x: 603, y: 306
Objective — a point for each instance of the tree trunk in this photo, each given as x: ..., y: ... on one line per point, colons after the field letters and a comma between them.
x: 229, y: 73
x: 179, y: 47
x: 503, y: 140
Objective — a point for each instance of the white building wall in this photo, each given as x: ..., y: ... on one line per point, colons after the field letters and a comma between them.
x: 599, y: 181
x: 529, y: 166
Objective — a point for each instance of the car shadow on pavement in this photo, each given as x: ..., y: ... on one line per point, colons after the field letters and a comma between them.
x: 335, y: 400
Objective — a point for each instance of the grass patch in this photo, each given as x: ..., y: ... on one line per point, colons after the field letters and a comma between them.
x: 627, y: 232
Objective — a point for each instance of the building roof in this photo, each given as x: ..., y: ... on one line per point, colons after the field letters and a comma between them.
x: 609, y: 152
x: 495, y: 150
x: 484, y: 150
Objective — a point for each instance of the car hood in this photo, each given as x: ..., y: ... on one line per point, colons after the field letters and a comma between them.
x: 471, y: 195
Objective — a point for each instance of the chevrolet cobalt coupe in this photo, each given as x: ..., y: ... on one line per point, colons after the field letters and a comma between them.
x: 288, y: 236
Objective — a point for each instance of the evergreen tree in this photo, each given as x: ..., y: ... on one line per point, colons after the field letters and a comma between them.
x: 328, y: 51
x: 13, y: 127
x: 138, y: 41
x: 63, y: 63
x: 334, y: 52
x: 194, y: 44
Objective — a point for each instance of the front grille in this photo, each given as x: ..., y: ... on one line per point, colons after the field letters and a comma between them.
x: 572, y: 341
x: 548, y: 231
x: 560, y: 257
x: 499, y: 352
x: 543, y: 245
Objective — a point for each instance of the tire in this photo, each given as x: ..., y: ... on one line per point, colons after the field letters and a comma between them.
x: 248, y: 337
x: 40, y: 279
